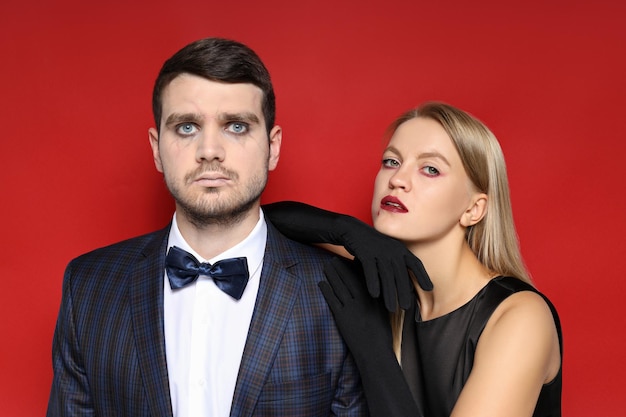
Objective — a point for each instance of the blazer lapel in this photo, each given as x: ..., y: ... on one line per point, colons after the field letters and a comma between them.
x: 278, y: 290
x: 146, y: 302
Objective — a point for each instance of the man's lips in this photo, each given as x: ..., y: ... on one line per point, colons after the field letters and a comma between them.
x: 393, y: 204
x: 211, y: 179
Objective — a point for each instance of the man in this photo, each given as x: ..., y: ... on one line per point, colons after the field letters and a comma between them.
x: 148, y: 327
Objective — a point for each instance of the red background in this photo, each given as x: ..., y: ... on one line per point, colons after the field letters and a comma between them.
x: 547, y: 77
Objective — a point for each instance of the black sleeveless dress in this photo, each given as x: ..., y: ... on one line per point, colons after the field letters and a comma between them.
x: 437, y: 355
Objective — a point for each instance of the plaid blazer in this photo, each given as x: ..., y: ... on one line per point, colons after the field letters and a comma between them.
x: 109, y: 346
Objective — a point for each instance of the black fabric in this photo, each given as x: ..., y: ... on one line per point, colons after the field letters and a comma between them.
x: 410, y: 357
x: 385, y: 260
x: 446, y: 347
x: 437, y: 355
x: 369, y: 340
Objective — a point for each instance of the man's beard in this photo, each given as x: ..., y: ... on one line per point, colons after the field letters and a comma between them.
x: 222, y: 212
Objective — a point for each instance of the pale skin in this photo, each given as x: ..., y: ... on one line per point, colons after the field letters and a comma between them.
x: 214, y: 149
x: 423, y: 197
x: 518, y: 351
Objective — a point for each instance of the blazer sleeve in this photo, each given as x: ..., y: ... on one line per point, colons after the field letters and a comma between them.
x: 349, y: 398
x: 70, y: 394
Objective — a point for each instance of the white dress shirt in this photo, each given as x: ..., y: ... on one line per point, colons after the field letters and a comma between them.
x: 206, y: 331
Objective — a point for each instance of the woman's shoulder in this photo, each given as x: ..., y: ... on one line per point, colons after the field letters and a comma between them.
x: 517, y: 352
x: 526, y: 323
x: 519, y: 298
x: 520, y: 304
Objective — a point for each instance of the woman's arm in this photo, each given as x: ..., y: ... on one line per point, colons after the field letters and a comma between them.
x: 336, y: 249
x: 385, y: 260
x: 517, y: 353
x: 364, y: 325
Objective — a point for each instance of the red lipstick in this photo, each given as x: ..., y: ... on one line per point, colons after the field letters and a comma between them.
x: 393, y: 204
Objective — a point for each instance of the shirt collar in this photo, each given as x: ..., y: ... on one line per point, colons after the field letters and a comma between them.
x: 252, y: 247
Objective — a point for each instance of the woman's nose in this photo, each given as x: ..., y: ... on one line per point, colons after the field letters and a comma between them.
x: 400, y: 179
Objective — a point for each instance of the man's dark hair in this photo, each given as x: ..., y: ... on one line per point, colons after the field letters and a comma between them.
x: 221, y: 60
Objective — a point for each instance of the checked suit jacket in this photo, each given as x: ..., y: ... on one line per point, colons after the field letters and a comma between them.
x: 109, y: 346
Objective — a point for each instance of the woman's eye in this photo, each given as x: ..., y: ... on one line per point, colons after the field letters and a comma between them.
x: 186, y: 129
x: 430, y: 171
x: 238, y: 128
x: 390, y: 163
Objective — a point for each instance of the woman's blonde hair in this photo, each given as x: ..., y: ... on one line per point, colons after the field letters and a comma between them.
x: 493, y: 239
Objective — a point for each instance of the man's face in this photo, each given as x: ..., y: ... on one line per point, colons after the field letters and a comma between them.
x: 213, y: 148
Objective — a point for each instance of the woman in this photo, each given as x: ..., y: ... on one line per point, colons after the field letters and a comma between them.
x: 483, y: 342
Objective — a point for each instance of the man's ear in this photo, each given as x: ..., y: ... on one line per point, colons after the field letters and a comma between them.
x: 276, y: 139
x: 475, y: 211
x: 153, y: 135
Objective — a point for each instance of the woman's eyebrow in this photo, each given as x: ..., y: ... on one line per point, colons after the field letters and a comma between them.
x: 425, y: 155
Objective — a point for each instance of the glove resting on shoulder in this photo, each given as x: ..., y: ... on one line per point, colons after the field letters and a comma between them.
x: 385, y: 261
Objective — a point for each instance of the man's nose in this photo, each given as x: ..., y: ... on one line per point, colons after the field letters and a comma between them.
x: 210, y: 146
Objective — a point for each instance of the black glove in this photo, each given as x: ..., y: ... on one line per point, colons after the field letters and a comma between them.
x: 365, y: 327
x: 385, y: 260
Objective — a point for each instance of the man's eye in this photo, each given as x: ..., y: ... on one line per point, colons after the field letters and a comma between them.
x: 238, y: 128
x: 186, y: 129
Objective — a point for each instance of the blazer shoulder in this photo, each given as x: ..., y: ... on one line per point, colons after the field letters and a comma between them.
x: 288, y: 248
x: 298, y: 258
x: 124, y: 251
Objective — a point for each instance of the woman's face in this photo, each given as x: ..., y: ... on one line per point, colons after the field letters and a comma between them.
x: 422, y: 191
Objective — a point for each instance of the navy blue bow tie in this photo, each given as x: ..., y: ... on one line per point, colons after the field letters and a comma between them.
x: 230, y: 275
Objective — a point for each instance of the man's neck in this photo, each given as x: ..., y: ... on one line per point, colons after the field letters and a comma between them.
x: 212, y: 239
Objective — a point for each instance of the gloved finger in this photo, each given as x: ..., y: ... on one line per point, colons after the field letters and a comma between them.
x: 331, y: 299
x: 334, y: 275
x: 372, y: 280
x: 352, y: 276
x: 415, y: 265
x: 404, y: 286
x: 388, y: 285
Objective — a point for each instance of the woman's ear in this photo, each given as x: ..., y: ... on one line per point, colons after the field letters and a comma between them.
x: 476, y: 210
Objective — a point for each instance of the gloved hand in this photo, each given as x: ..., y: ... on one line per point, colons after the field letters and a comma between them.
x: 364, y: 324
x: 385, y: 260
